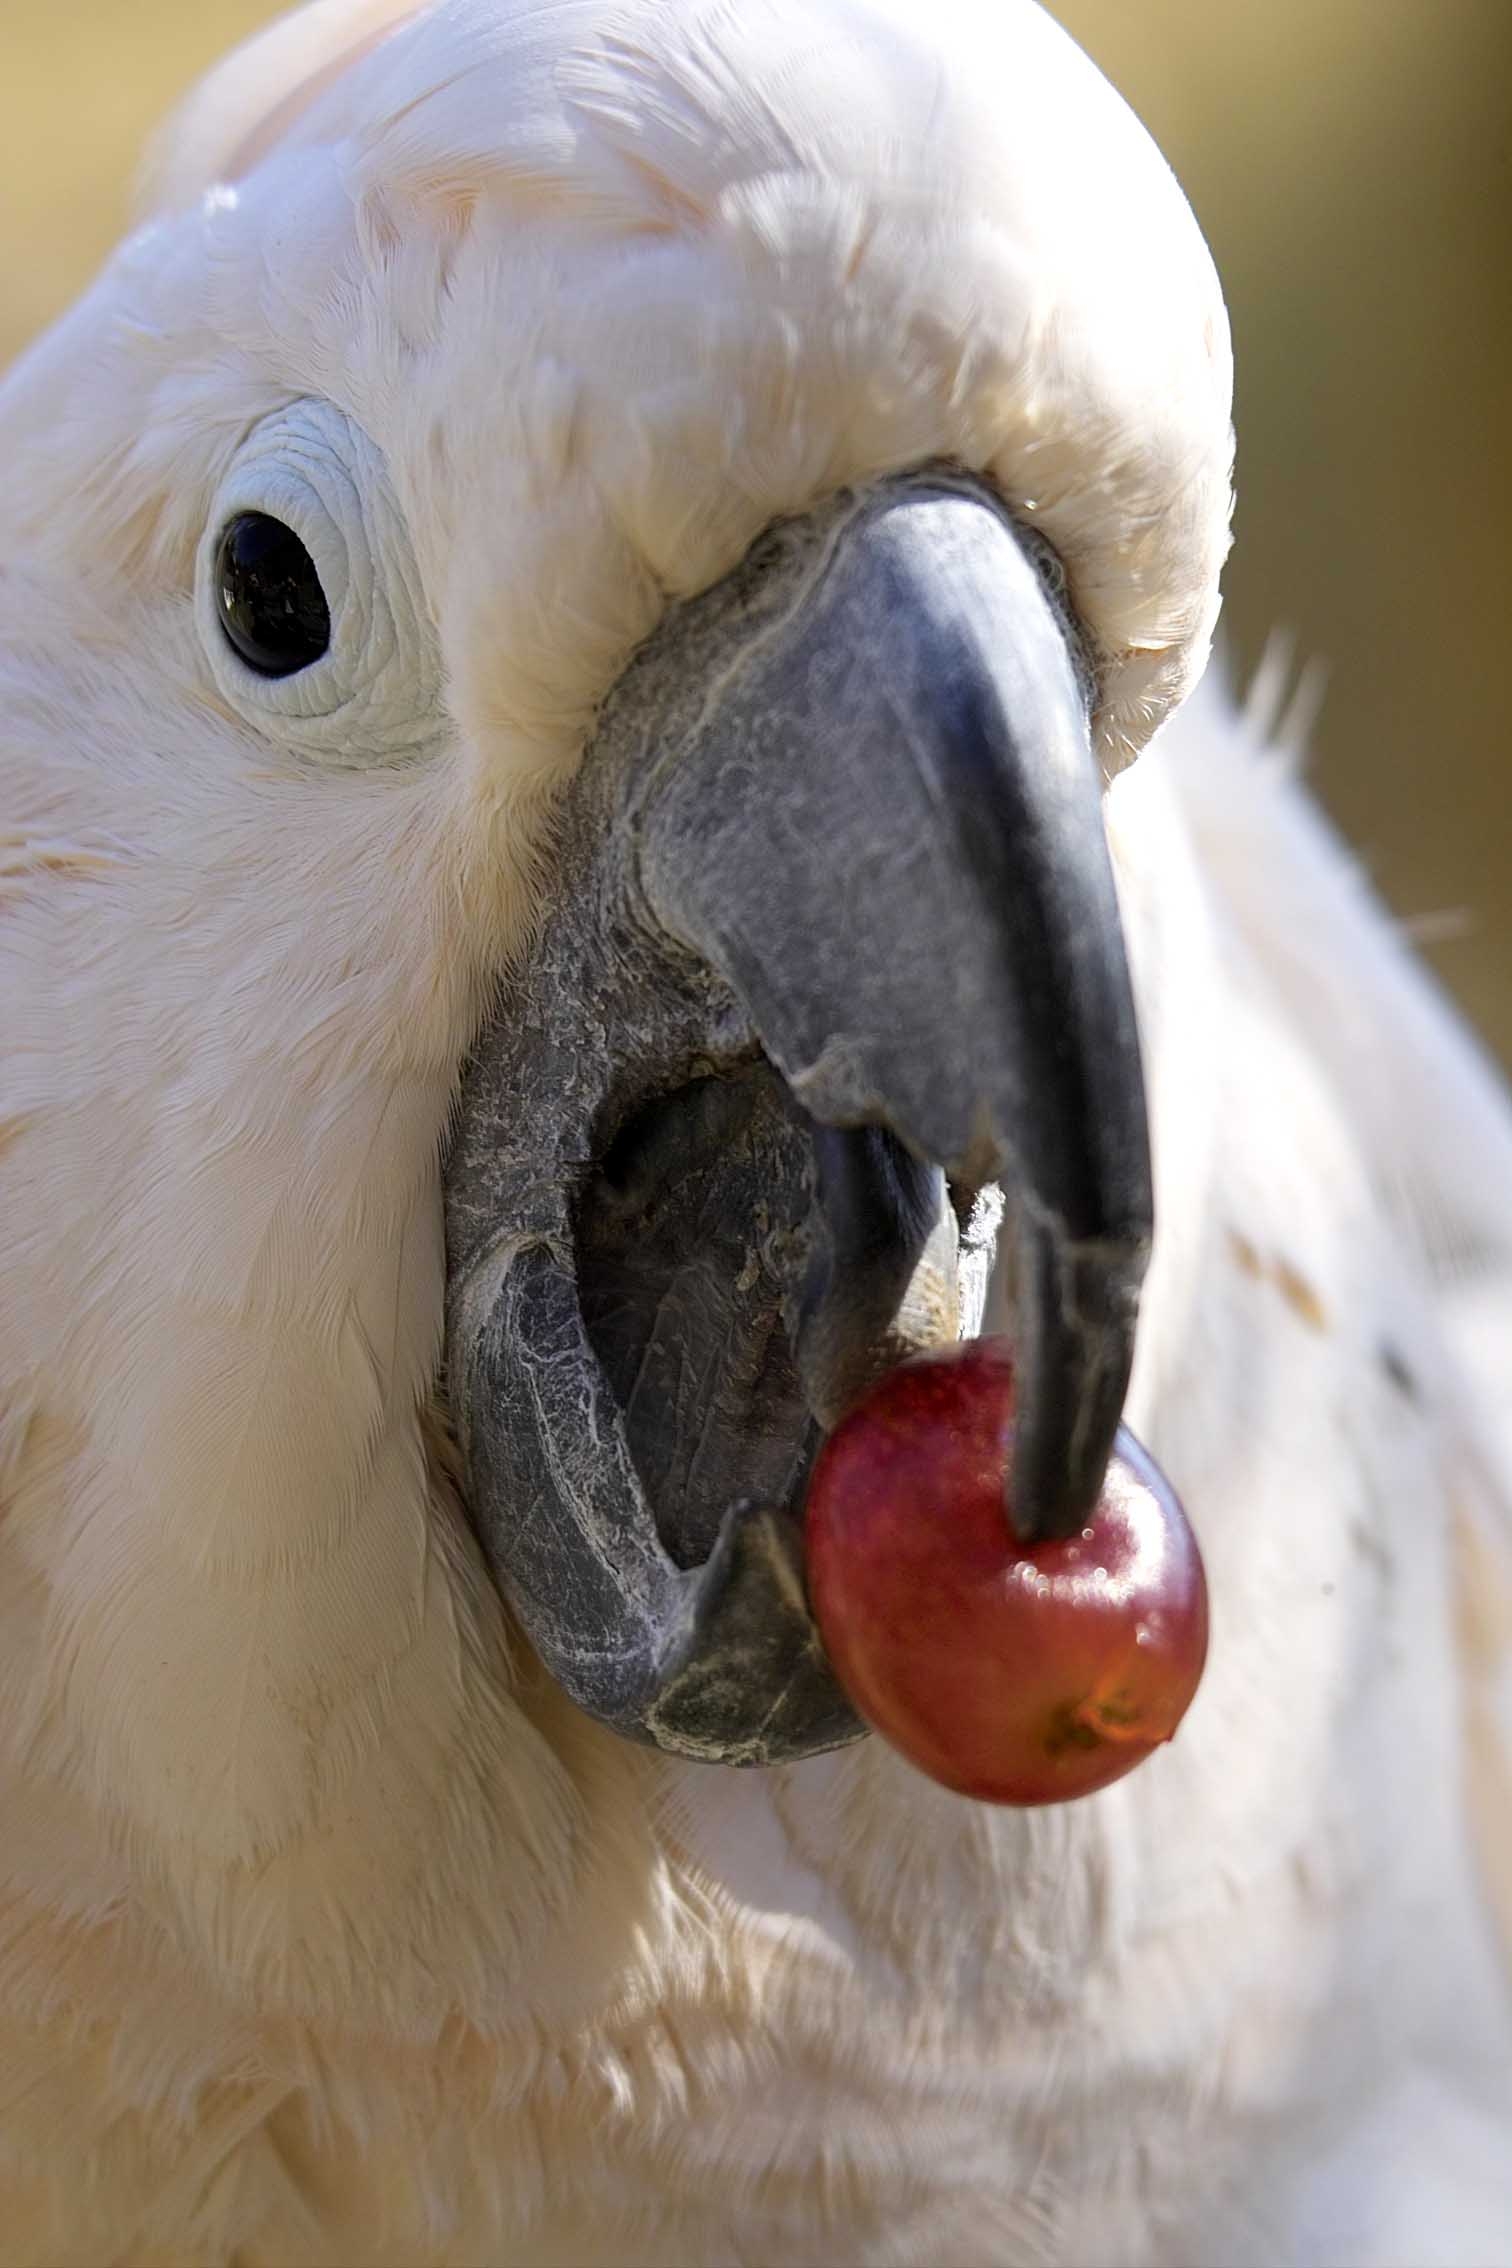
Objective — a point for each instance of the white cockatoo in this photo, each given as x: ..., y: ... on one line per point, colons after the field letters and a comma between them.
x: 857, y: 365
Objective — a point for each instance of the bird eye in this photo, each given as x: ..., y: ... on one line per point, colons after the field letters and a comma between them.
x: 272, y: 607
x: 308, y: 599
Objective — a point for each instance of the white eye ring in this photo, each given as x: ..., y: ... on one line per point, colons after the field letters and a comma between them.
x: 374, y: 695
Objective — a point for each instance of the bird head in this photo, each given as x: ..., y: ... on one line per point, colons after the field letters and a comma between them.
x: 585, y: 568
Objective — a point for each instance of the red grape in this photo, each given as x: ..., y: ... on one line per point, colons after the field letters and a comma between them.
x: 1015, y: 1673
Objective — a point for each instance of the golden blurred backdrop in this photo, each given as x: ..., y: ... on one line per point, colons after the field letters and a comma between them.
x: 1352, y: 166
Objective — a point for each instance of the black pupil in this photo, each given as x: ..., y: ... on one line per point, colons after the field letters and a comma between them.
x: 272, y: 606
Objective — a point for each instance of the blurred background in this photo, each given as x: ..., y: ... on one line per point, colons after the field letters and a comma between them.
x: 1352, y: 167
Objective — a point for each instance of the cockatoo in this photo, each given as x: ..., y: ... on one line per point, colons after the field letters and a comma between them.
x: 624, y: 549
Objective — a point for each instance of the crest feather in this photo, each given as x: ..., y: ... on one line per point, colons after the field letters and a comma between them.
x: 258, y: 93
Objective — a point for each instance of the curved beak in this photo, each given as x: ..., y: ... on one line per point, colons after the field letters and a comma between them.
x: 834, y: 947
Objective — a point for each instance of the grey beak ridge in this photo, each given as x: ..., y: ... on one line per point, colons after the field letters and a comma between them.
x: 838, y: 837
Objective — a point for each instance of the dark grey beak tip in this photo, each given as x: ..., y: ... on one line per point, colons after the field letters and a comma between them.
x: 1073, y: 1377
